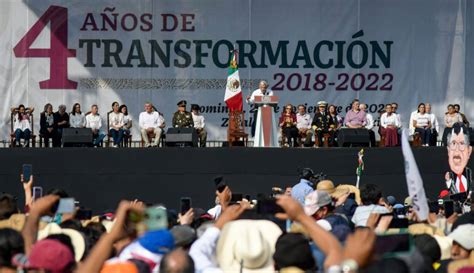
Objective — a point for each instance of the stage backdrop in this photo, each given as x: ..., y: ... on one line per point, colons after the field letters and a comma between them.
x: 97, y: 52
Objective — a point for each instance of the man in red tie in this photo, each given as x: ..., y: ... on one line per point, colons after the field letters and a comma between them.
x: 459, y: 179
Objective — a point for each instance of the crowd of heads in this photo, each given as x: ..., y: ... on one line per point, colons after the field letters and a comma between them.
x: 332, y: 228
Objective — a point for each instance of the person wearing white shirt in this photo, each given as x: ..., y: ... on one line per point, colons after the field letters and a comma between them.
x: 22, y: 125
x: 434, y: 125
x: 370, y: 123
x: 76, y: 117
x: 261, y: 91
x: 115, y: 125
x: 94, y: 122
x: 394, y: 111
x: 389, y: 124
x: 422, y: 124
x: 303, y: 123
x: 199, y: 123
x: 151, y: 121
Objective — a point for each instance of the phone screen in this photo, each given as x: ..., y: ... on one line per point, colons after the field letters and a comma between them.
x: 27, y: 171
x: 83, y: 214
x: 185, y: 205
x: 393, y: 244
x: 66, y: 205
x: 448, y: 208
x: 236, y: 197
x: 156, y: 218
x: 268, y: 206
x: 37, y: 193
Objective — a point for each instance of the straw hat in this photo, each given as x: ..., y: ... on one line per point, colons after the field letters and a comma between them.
x: 16, y: 222
x: 76, y: 237
x: 247, y: 244
x: 326, y: 185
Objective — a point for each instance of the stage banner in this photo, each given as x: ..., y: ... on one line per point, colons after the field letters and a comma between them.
x: 159, y: 51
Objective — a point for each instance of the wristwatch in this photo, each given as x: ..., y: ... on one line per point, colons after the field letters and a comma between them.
x: 349, y: 266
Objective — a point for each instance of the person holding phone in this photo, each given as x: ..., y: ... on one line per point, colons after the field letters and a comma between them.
x: 371, y: 197
x: 22, y: 125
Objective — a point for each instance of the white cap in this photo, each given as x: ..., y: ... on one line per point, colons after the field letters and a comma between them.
x: 464, y: 236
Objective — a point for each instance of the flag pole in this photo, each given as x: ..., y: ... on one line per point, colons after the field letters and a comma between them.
x: 360, y: 166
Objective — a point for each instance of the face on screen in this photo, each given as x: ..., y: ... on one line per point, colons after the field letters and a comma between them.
x: 459, y: 152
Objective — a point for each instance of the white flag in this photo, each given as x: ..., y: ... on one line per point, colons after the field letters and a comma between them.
x: 414, y: 181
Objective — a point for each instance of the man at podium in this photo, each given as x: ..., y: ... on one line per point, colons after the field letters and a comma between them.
x: 264, y: 126
x: 261, y: 91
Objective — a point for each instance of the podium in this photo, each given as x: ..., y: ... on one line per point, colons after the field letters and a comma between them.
x: 266, y: 134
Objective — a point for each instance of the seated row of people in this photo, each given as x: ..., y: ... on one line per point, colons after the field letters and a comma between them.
x: 120, y: 123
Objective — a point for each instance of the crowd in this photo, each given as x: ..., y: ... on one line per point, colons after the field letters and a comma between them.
x: 312, y: 226
x: 119, y: 123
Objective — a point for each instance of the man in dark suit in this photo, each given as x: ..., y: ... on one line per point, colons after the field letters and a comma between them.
x: 322, y: 122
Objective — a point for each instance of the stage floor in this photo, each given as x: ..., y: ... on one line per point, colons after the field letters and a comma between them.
x: 100, y: 177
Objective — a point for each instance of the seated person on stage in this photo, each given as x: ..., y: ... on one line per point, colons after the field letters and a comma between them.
x: 457, y: 108
x: 355, y: 118
x: 322, y: 123
x: 422, y: 124
x: 389, y: 127
x: 199, y: 123
x: 370, y: 123
x: 182, y: 118
x: 261, y: 91
x: 62, y: 122
x: 94, y: 121
x: 450, y: 118
x: 22, y: 124
x: 127, y: 120
x: 434, y: 125
x: 151, y: 121
x: 303, y: 120
x: 116, y: 124
x: 288, y: 126
x: 76, y: 117
x: 336, y: 119
x: 48, y: 125
x: 394, y: 111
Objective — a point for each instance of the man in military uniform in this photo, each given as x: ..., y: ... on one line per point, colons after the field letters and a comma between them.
x: 322, y: 122
x: 182, y: 118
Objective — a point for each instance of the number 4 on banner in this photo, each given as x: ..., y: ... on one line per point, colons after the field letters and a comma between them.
x: 58, y: 53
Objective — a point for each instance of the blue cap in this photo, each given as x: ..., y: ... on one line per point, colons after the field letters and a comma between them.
x: 391, y: 200
x: 398, y: 206
x: 157, y: 241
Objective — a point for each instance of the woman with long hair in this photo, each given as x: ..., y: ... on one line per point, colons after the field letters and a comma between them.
x: 422, y: 124
x: 288, y: 125
x: 116, y: 124
x: 77, y: 118
x: 22, y: 125
x: 389, y: 127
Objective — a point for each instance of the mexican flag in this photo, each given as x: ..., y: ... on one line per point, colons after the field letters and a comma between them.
x: 233, y: 90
